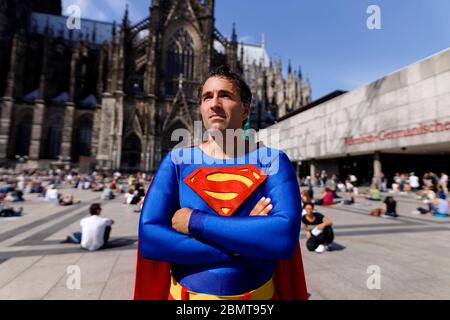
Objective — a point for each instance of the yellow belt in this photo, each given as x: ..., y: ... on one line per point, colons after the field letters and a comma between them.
x: 265, y: 292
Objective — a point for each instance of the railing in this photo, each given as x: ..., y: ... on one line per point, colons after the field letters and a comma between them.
x: 221, y: 38
x: 140, y: 26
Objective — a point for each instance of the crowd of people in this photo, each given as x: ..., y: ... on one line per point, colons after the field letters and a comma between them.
x: 432, y: 189
x: 54, y: 186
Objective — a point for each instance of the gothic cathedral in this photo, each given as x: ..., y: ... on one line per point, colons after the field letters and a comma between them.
x: 108, y: 96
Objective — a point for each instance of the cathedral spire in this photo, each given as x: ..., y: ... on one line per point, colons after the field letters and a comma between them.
x: 263, y: 41
x: 300, y: 75
x: 94, y: 34
x: 113, y: 32
x: 233, y: 34
x: 289, y: 67
x: 125, y: 20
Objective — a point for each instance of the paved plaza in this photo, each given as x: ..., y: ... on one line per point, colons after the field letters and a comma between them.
x: 411, y: 252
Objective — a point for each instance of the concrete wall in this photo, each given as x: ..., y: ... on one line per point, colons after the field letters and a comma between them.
x: 416, y: 95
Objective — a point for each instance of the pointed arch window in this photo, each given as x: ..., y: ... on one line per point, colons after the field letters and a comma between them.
x: 53, y: 140
x: 180, y: 58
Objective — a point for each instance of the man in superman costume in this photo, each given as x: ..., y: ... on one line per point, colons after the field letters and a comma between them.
x: 221, y: 224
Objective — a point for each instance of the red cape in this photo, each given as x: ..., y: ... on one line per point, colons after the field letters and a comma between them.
x: 153, y: 279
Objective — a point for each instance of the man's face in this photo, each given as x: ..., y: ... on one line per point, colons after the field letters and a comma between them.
x: 221, y: 106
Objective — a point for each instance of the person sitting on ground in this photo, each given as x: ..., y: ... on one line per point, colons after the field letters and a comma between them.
x: 14, y: 196
x: 331, y: 184
x: 326, y: 199
x: 19, y: 196
x: 113, y: 184
x: 374, y: 193
x: 97, y: 187
x: 426, y: 194
x: 39, y: 188
x: 351, y: 199
x: 305, y: 196
x: 305, y: 199
x: 51, y: 194
x: 107, y: 194
x: 95, y: 230
x: 8, y: 212
x: 437, y: 207
x: 66, y: 200
x: 129, y: 196
x: 318, y: 228
x: 136, y: 198
x: 390, y: 208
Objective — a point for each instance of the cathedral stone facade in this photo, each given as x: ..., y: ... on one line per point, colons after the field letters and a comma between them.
x: 108, y: 96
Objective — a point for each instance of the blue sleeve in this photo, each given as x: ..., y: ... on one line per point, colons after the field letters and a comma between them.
x: 273, y: 237
x: 157, y: 239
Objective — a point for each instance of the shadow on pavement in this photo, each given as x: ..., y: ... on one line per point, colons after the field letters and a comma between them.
x: 336, y: 247
x: 121, y: 242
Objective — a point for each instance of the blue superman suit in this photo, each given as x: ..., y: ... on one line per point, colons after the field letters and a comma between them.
x: 222, y: 255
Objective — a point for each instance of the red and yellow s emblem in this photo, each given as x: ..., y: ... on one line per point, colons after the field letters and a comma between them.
x: 224, y: 189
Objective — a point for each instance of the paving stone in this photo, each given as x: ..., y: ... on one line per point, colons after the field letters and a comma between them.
x: 410, y: 251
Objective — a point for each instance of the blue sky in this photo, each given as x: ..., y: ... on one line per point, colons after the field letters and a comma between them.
x: 328, y: 38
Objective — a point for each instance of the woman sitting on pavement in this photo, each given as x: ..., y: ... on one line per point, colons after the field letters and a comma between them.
x: 15, y: 196
x: 305, y: 199
x: 51, y: 194
x: 374, y: 193
x: 351, y: 199
x: 305, y: 196
x: 437, y: 207
x: 66, y: 200
x: 390, y: 208
x: 326, y: 199
x: 318, y: 228
x: 8, y: 212
x: 427, y: 194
